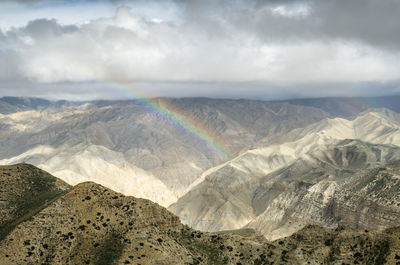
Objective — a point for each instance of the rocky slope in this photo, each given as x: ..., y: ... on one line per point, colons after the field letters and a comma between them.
x: 101, y: 165
x: 90, y: 224
x: 229, y: 199
x: 367, y: 200
x: 24, y: 190
x: 236, y: 193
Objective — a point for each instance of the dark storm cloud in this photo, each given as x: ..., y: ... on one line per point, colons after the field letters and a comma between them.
x: 370, y: 21
x: 93, y: 90
x: 375, y: 22
x: 45, y: 28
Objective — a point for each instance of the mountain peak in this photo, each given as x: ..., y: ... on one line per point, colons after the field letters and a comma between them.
x: 382, y: 113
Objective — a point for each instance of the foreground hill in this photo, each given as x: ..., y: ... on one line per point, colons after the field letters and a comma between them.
x: 90, y: 224
x: 24, y: 191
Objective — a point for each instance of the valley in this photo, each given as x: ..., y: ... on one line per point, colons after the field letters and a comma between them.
x: 280, y: 166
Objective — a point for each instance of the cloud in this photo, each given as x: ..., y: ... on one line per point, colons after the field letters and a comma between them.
x: 369, y: 21
x: 275, y: 43
x: 47, y: 28
x: 29, y: 2
x: 32, y: 2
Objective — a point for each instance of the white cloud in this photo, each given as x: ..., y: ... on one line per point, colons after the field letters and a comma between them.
x: 299, y: 10
x: 206, y: 46
x: 130, y: 48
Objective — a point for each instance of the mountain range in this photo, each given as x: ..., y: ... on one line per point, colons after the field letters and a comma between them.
x: 282, y: 165
x: 318, y: 159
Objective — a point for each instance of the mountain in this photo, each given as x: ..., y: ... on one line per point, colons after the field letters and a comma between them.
x: 346, y: 107
x: 314, y: 160
x: 24, y: 191
x: 218, y: 164
x: 137, y: 144
x: 361, y: 200
x: 379, y: 126
x: 10, y: 105
x: 16, y: 104
x: 96, y: 163
x: 90, y: 224
x: 165, y: 143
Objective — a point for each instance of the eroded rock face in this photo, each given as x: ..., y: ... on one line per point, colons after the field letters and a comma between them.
x: 328, y: 185
x: 369, y: 201
x: 90, y: 224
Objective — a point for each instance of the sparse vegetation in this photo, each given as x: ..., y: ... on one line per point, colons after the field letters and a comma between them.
x: 101, y: 231
x: 110, y: 250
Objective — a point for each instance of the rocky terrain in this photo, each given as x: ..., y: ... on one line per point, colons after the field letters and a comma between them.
x: 24, y: 191
x: 369, y: 200
x: 297, y: 178
x: 222, y: 164
x: 128, y: 140
x: 91, y: 224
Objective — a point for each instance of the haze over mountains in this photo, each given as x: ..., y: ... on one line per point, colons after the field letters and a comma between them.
x: 279, y: 157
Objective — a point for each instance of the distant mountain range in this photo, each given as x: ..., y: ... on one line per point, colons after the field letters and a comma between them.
x: 278, y: 167
x: 340, y: 106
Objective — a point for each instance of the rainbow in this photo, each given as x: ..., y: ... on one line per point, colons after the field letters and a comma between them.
x: 174, y: 117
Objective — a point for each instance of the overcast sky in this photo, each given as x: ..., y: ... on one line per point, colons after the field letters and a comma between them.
x: 86, y: 49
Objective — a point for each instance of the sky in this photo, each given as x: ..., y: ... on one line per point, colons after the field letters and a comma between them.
x: 264, y: 49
